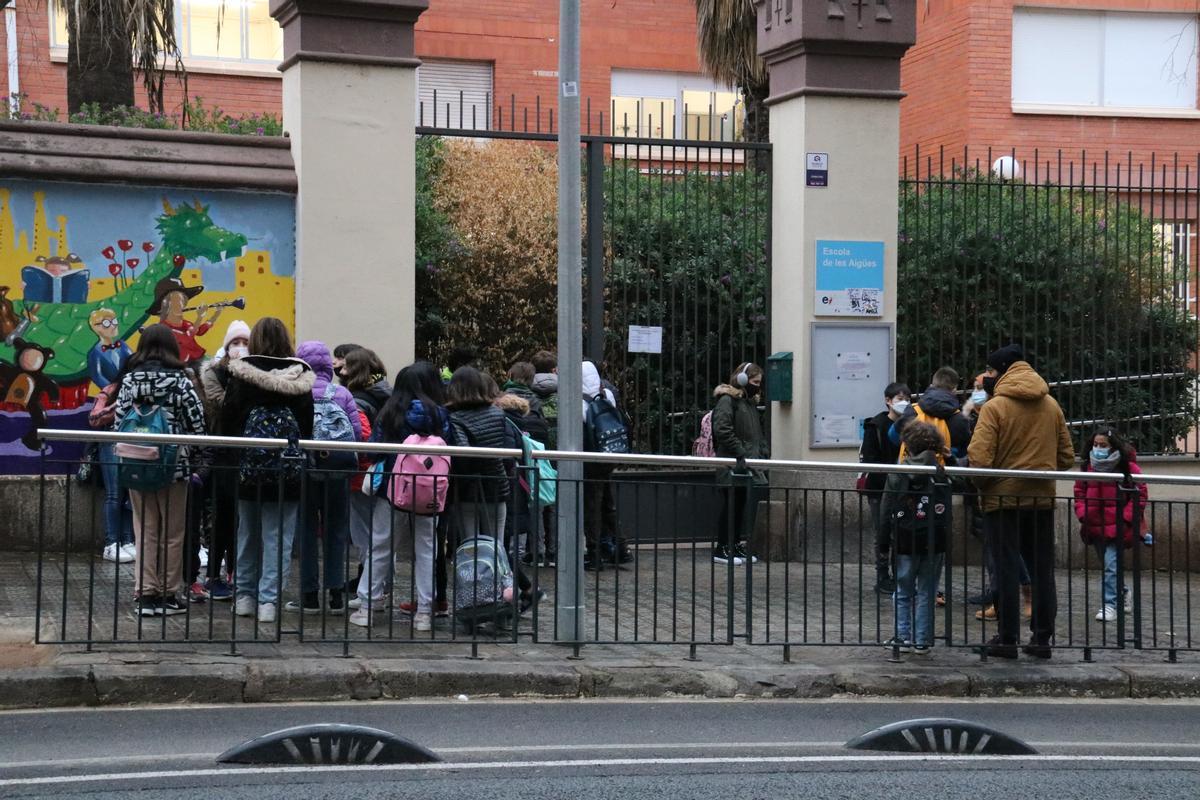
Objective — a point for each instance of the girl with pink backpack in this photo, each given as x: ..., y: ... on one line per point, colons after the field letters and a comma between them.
x: 410, y: 496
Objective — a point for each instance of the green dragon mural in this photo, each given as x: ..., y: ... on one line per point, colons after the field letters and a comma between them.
x: 187, y: 233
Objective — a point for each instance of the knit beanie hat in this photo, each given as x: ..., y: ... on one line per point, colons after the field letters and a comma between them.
x: 237, y: 330
x: 1005, y: 357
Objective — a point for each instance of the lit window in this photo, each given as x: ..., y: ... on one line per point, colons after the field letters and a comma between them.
x: 644, y: 117
x: 211, y: 30
x: 673, y: 106
x: 1104, y: 59
x: 712, y: 116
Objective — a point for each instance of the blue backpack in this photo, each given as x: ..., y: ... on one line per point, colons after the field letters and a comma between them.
x: 330, y: 424
x: 266, y: 466
x: 145, y: 467
x: 545, y: 476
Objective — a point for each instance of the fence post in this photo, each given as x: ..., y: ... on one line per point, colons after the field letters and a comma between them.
x: 595, y: 250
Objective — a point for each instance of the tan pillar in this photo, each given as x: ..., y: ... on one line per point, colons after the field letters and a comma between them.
x: 835, y: 91
x: 349, y: 100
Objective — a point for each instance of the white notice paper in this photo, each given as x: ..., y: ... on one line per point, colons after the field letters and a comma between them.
x: 854, y: 366
x: 834, y: 428
x: 645, y: 339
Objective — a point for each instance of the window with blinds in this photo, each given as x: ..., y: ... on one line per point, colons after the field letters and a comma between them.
x: 454, y: 94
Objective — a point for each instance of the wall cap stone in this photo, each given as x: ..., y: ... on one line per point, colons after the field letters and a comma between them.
x: 377, y: 33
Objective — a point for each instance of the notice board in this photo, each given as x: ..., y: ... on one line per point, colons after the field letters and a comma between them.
x: 851, y: 364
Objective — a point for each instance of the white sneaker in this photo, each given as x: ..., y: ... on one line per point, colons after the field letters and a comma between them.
x: 1107, y: 614
x: 266, y: 612
x: 244, y: 607
x: 361, y: 618
x: 128, y: 553
x: 423, y: 622
x: 354, y: 603
x: 112, y: 552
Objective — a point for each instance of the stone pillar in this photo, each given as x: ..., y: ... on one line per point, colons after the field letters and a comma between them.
x: 835, y: 91
x: 349, y: 106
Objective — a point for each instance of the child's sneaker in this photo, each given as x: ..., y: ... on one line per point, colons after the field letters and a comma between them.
x: 245, y: 606
x: 218, y: 589
x: 422, y: 622
x: 172, y: 606
x: 904, y: 645
x: 196, y: 593
x: 921, y: 649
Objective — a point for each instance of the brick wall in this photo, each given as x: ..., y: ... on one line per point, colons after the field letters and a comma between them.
x: 934, y: 74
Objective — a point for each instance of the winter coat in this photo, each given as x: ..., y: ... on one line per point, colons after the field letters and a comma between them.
x: 520, y: 414
x: 943, y: 405
x: 267, y: 381
x: 1022, y: 428
x: 213, y: 377
x: 372, y: 398
x: 736, y: 427
x: 479, y: 480
x: 1096, y: 507
x: 172, y: 391
x: 418, y: 421
x: 525, y: 393
x: 912, y: 537
x: 878, y: 448
x: 593, y: 386
x: 317, y: 356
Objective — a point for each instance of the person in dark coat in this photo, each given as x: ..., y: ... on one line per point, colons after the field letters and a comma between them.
x: 478, y: 486
x: 737, y: 433
x: 270, y: 377
x: 878, y: 448
x: 366, y: 378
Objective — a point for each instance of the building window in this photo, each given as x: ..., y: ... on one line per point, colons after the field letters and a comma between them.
x: 454, y: 94
x: 211, y: 30
x: 665, y: 105
x: 1104, y: 59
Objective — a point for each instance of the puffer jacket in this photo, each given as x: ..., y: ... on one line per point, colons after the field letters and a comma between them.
x: 736, y: 428
x: 1096, y: 508
x: 172, y: 390
x: 317, y: 356
x: 1020, y: 428
x: 267, y: 381
x: 939, y: 404
x: 372, y: 398
x: 525, y: 393
x: 479, y: 480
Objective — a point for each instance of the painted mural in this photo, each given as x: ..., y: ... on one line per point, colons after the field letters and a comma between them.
x: 84, y: 267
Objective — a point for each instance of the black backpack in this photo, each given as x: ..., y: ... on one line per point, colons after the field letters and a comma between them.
x: 922, y: 514
x: 604, y: 430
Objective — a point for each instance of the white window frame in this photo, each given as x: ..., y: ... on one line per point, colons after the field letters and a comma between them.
x: 1101, y: 110
x: 244, y: 66
x: 481, y: 115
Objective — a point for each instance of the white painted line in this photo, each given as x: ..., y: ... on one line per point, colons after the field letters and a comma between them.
x: 876, y: 758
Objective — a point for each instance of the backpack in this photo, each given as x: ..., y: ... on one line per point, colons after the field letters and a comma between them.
x: 145, y: 467
x: 482, y: 578
x: 545, y: 476
x: 604, y: 431
x: 265, y: 466
x: 419, y: 481
x: 702, y: 447
x: 942, y: 427
x: 330, y: 424
x: 549, y: 412
x: 924, y: 507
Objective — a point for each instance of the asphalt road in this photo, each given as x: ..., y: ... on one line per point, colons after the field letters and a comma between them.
x: 601, y: 749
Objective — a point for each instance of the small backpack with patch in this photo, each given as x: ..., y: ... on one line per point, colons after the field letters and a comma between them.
x: 145, y: 467
x: 943, y: 428
x: 419, y: 481
x: 330, y: 424
x: 702, y: 447
x: 604, y: 429
x: 922, y: 515
x: 266, y: 466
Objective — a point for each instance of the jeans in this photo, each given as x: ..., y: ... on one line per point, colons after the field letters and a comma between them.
x: 378, y: 557
x: 118, y: 513
x: 883, y: 535
x: 917, y: 579
x: 1020, y: 539
x: 327, y: 509
x: 266, y: 531
x: 1109, y: 554
x: 477, y: 519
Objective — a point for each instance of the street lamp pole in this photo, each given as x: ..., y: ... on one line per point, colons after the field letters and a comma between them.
x: 569, y: 594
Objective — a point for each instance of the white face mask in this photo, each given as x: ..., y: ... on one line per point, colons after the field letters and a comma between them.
x: 900, y: 406
x: 979, y: 397
x: 238, y: 351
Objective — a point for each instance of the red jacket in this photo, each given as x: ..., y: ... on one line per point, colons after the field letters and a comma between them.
x: 1096, y: 508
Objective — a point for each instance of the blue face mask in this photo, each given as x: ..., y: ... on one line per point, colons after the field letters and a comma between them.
x: 1100, y: 452
x: 979, y: 397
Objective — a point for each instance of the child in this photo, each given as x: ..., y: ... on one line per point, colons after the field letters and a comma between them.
x: 918, y: 509
x: 1096, y: 505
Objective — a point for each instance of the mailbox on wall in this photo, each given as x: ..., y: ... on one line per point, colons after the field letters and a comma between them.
x: 779, y: 377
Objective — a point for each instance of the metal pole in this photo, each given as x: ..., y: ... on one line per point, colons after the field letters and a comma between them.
x: 569, y: 597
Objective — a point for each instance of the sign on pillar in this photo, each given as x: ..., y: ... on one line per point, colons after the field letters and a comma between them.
x: 835, y: 102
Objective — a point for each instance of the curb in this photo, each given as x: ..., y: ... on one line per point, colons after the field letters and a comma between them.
x: 319, y: 679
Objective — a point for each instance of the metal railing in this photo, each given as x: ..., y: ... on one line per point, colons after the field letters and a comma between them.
x: 651, y: 523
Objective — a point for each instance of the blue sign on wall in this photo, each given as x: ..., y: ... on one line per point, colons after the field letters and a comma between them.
x: 849, y: 278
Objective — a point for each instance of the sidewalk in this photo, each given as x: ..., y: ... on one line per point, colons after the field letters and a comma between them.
x: 806, y: 603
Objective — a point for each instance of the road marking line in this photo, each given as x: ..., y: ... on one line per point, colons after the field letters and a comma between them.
x: 594, y: 762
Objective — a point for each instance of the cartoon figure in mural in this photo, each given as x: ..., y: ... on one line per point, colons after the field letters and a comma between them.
x: 170, y: 302
x: 12, y: 326
x: 24, y: 382
x: 108, y: 357
x: 56, y: 280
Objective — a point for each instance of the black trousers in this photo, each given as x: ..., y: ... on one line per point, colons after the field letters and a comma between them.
x: 1013, y: 535
x: 224, y: 483
x: 739, y: 509
x: 599, y: 506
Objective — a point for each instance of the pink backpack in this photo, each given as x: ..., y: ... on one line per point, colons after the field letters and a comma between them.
x: 703, y: 446
x: 419, y: 482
